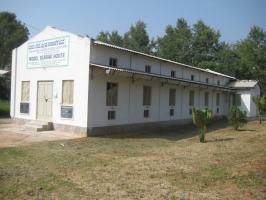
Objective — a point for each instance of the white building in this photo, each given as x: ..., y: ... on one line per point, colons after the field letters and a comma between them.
x: 84, y: 85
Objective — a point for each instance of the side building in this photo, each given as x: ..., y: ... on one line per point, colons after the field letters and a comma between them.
x: 88, y: 86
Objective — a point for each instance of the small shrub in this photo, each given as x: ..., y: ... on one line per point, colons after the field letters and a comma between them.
x: 260, y: 102
x: 236, y: 118
x: 201, y: 118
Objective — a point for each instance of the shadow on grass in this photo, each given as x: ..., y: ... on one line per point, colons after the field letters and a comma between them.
x: 173, y: 133
x: 249, y: 130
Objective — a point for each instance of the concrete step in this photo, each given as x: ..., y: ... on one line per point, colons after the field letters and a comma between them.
x: 39, y: 126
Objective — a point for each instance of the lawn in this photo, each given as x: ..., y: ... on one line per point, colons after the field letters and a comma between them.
x: 4, y: 108
x: 171, y: 164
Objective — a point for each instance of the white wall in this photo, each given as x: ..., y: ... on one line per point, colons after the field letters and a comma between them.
x: 77, y: 70
x: 246, y: 100
x: 101, y: 55
x: 130, y: 100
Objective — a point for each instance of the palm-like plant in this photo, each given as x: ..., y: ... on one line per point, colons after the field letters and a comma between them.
x: 260, y: 103
x: 201, y: 118
x: 236, y: 118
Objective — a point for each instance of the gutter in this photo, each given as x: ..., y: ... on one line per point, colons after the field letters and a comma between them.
x: 158, y: 76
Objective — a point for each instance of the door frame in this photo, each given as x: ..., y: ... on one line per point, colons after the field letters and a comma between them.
x: 36, y: 117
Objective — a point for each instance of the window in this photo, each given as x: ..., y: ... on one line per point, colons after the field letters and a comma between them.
x: 192, y: 77
x: 238, y: 100
x: 172, y: 73
x: 111, y: 114
x: 111, y: 94
x: 190, y: 111
x: 67, y: 92
x: 172, y: 112
x: 148, y: 68
x: 191, y: 98
x: 217, y: 110
x: 206, y: 99
x: 217, y: 99
x: 146, y: 114
x: 207, y: 80
x: 25, y: 91
x: 113, y: 62
x: 146, y: 95
x: 172, y: 94
x: 218, y: 82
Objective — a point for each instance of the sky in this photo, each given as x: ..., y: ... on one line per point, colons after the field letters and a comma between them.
x: 233, y: 18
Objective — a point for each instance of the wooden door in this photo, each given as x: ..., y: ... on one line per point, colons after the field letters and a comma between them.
x: 45, y: 100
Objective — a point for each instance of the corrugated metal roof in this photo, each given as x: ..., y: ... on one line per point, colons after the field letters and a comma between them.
x: 162, y: 59
x: 160, y: 76
x: 243, y: 84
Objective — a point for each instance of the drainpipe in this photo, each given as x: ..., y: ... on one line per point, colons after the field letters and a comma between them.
x: 15, y: 84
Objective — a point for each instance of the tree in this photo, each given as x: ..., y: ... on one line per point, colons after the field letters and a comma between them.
x: 252, y: 57
x: 103, y: 36
x: 201, y: 118
x: 111, y: 38
x: 116, y: 39
x: 137, y: 38
x: 236, y: 118
x: 12, y: 34
x: 226, y: 59
x: 260, y: 103
x: 205, y: 45
x: 176, y: 43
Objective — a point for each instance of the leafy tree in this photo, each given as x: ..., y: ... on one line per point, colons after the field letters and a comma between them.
x: 205, y: 44
x: 236, y: 118
x: 201, y: 118
x: 12, y: 34
x: 116, y: 39
x: 252, y: 57
x: 227, y: 59
x: 137, y: 38
x: 111, y: 38
x: 103, y: 36
x: 176, y: 43
x: 260, y: 103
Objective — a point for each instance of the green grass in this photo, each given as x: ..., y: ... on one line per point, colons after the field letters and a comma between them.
x: 166, y: 165
x: 4, y: 108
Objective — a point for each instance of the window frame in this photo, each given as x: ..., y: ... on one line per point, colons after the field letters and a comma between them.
x: 146, y: 113
x: 206, y: 99
x: 62, y: 95
x: 172, y: 102
x: 171, y: 112
x: 218, y: 101
x: 191, y: 102
x: 111, y: 115
x: 173, y: 73
x: 111, y: 103
x: 111, y: 62
x: 148, y: 68
x: 149, y: 101
x: 22, y: 89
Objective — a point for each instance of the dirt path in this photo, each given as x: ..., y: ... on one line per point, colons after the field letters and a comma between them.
x: 12, y: 134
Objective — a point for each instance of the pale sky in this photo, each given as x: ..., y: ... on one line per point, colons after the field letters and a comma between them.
x: 233, y: 18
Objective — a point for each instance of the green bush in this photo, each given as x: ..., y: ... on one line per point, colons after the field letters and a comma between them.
x: 236, y: 118
x: 260, y: 102
x: 201, y: 118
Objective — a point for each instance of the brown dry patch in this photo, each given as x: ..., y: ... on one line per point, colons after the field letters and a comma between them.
x: 169, y: 165
x: 9, y: 139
